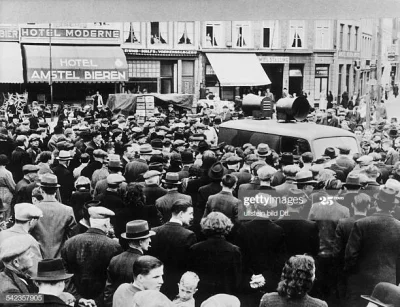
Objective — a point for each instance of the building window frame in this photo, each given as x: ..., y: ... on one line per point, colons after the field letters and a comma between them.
x: 297, y: 34
x: 241, y: 33
x: 185, y: 35
x: 323, y: 36
x: 341, y: 36
x: 273, y: 37
x: 356, y: 33
x: 349, y: 29
x: 132, y: 33
x: 159, y: 33
x: 213, y: 34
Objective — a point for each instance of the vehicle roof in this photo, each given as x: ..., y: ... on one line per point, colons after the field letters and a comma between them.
x: 300, y: 130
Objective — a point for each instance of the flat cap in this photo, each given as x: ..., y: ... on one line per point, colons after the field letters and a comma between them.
x: 100, y: 213
x: 30, y: 168
x: 178, y: 143
x: 365, y: 160
x: 266, y: 172
x: 344, y: 149
x: 233, y: 160
x: 34, y: 137
x: 99, y: 153
x: 11, y: 248
x: 27, y: 211
x: 115, y: 179
x: 152, y: 173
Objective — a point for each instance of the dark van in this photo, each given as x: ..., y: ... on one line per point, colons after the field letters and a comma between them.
x: 292, y: 137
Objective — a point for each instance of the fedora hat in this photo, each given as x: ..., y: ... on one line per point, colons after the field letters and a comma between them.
x: 330, y: 152
x: 187, y: 157
x: 172, y: 178
x: 137, y: 229
x: 217, y: 171
x: 263, y: 150
x: 49, y: 181
x: 286, y: 158
x: 386, y: 195
x: 64, y: 155
x: 51, y: 270
x: 352, y: 180
x: 305, y: 177
x: 385, y: 295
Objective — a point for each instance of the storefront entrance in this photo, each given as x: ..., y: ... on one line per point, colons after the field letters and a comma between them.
x: 275, y: 74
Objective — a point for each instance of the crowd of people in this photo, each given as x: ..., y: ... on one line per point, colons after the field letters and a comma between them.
x: 105, y: 211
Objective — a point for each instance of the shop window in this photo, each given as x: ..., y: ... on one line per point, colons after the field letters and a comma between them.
x: 323, y: 34
x: 242, y: 35
x: 270, y: 34
x: 187, y: 68
x: 144, y: 69
x: 213, y: 35
x: 132, y: 32
x: 158, y: 32
x: 185, y: 33
x: 297, y: 34
x: 167, y: 74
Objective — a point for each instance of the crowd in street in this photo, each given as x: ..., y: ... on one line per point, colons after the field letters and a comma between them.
x: 103, y: 210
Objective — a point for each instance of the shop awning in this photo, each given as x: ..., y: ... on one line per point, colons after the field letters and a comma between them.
x: 11, y: 63
x: 238, y: 69
x: 75, y: 64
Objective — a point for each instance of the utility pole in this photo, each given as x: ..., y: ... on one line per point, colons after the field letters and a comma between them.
x: 379, y: 60
x: 50, y: 75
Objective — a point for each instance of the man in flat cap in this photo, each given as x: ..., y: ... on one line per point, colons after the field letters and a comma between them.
x: 152, y: 189
x: 88, y: 255
x: 17, y: 257
x: 99, y: 156
x: 26, y: 217
x: 34, y: 150
x: 30, y: 172
x: 113, y: 167
x: 112, y: 198
x: 58, y: 221
x: 65, y: 176
x: 19, y: 157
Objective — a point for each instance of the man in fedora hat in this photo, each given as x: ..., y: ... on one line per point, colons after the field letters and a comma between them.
x: 58, y: 221
x: 148, y: 274
x: 64, y: 176
x: 164, y: 203
x: 26, y: 217
x: 172, y: 242
x: 152, y: 189
x: 372, y: 250
x: 263, y: 151
x: 18, y: 260
x: 120, y: 269
x: 88, y: 255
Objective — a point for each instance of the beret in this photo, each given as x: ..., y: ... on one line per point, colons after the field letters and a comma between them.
x: 152, y: 173
x: 27, y: 211
x: 100, y: 213
x: 11, y: 248
x: 115, y: 179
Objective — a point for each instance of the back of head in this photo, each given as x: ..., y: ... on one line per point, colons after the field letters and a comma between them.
x: 361, y: 202
x: 229, y: 181
x: 180, y: 205
x: 144, y: 264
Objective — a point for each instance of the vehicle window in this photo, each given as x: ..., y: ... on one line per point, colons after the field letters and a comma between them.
x: 240, y: 137
x: 321, y: 144
x: 294, y: 145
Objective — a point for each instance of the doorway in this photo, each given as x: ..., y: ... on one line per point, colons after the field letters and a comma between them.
x: 275, y: 74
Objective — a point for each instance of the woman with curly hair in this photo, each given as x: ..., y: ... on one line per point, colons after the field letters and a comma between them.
x: 135, y: 209
x: 297, y: 279
x: 217, y: 262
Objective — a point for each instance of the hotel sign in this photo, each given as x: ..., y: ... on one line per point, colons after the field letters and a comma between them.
x: 9, y: 34
x: 273, y: 59
x: 157, y: 52
x: 70, y: 33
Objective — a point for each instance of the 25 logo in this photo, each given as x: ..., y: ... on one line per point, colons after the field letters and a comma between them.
x: 326, y: 201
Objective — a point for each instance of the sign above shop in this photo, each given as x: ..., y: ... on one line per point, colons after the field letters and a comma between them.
x: 321, y: 71
x: 157, y: 52
x: 349, y: 54
x: 9, y: 34
x: 273, y: 59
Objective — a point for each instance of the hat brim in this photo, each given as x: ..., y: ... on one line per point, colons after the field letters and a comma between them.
x: 49, y: 186
x: 375, y: 301
x: 308, y: 181
x: 54, y: 278
x: 171, y: 182
x: 214, y: 177
x: 352, y: 185
x: 395, y: 201
x: 64, y: 159
x: 262, y: 154
x: 151, y: 233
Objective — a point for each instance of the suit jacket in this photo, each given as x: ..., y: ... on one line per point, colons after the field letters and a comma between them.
x: 225, y: 203
x: 171, y: 245
x: 343, y: 230
x: 19, y: 158
x: 152, y: 193
x: 283, y: 189
x: 90, y: 168
x: 87, y: 256
x: 54, y: 228
x: 219, y: 266
x: 165, y: 202
x: 119, y: 271
x: 49, y: 301
x: 205, y: 192
x: 66, y: 181
x: 262, y: 244
x: 372, y: 253
x: 124, y: 295
x: 193, y: 187
x: 299, y: 242
x: 243, y: 177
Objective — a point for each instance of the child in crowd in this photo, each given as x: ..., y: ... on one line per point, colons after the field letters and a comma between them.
x: 187, y: 288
